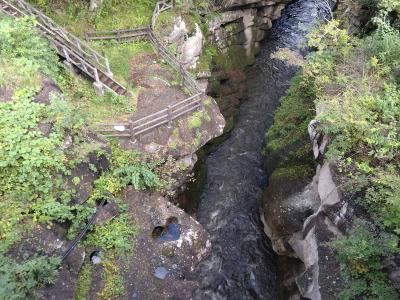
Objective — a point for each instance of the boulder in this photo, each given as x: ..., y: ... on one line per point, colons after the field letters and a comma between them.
x: 191, y: 49
x: 162, y: 269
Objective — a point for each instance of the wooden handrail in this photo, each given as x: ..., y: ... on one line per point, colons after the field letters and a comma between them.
x: 64, y: 36
x: 163, y: 116
x: 76, y: 52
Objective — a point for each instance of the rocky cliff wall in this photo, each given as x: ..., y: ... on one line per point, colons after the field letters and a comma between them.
x: 302, y: 217
x: 237, y: 31
x: 241, y: 26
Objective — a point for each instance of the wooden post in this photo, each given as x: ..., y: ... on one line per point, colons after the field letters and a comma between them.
x: 66, y: 54
x: 119, y: 36
x: 169, y: 116
x: 78, y: 44
x: 108, y: 68
x: 98, y: 85
x: 132, y: 131
x: 182, y: 77
x: 202, y: 98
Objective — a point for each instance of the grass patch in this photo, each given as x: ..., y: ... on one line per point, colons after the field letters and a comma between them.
x: 110, y: 108
x: 84, y: 281
x: 112, y: 278
x: 114, y: 14
x: 120, y: 56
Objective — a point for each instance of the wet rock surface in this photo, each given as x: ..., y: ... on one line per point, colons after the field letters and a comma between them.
x: 242, y: 263
x: 162, y: 268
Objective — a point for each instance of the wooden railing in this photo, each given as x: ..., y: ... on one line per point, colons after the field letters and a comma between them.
x: 66, y: 38
x: 127, y: 35
x: 122, y: 35
x: 133, y: 129
x: 161, y: 6
x: 76, y: 53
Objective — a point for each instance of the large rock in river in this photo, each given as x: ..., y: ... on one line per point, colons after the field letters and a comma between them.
x: 161, y: 268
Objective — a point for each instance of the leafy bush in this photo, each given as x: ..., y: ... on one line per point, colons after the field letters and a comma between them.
x: 361, y: 254
x: 19, y: 281
x: 127, y: 167
x: 28, y: 159
x: 383, y: 45
x: 117, y: 234
x: 23, y: 53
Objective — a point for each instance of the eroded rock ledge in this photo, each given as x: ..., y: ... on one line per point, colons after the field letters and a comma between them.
x: 301, y: 217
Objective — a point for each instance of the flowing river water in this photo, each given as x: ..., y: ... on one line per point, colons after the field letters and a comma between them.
x: 242, y: 264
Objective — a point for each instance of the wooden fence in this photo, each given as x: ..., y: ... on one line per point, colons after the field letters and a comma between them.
x: 76, y: 52
x: 133, y: 129
x: 161, y: 6
x: 127, y: 35
x: 164, y: 116
x: 123, y: 35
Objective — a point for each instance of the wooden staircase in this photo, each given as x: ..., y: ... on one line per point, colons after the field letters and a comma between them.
x: 76, y: 53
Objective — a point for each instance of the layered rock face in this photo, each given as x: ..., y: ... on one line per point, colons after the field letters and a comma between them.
x: 301, y: 218
x: 237, y: 31
x: 242, y: 25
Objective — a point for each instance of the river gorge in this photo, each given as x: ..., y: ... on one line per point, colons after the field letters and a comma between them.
x: 242, y: 264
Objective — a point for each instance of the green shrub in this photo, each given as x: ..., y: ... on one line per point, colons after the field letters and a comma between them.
x: 383, y: 44
x: 20, y: 281
x: 23, y: 53
x: 361, y: 254
x: 195, y: 120
x: 117, y: 234
x: 28, y: 160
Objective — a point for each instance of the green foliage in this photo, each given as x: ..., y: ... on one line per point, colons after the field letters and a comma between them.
x: 19, y: 281
x: 23, y: 53
x: 127, y: 168
x: 66, y: 117
x: 383, y: 46
x: 287, y: 138
x: 30, y: 161
x: 83, y: 283
x: 195, y: 120
x: 383, y: 198
x: 361, y: 253
x: 116, y: 234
